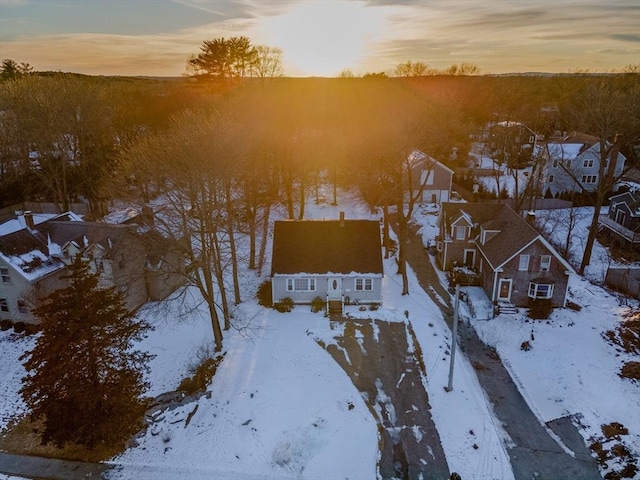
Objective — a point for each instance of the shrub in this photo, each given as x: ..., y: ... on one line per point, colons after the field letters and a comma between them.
x: 526, y: 346
x: 31, y: 328
x: 631, y: 370
x: 317, y: 304
x: 540, y: 308
x: 18, y: 327
x: 573, y: 306
x: 201, y: 375
x: 614, y: 429
x: 5, y: 325
x: 284, y: 305
x: 264, y: 294
x: 374, y: 306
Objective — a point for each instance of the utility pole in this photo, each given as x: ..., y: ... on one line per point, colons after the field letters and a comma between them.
x: 454, y: 332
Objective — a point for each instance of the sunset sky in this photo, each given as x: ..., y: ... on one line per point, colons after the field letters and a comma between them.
x: 155, y: 37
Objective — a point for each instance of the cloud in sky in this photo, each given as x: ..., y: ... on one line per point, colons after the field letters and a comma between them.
x: 155, y: 37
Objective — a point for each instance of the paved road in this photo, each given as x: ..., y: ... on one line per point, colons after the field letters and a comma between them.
x: 536, y: 455
x: 374, y: 355
x: 49, y: 468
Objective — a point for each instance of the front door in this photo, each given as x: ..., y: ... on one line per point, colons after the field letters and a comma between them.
x: 334, y: 289
x: 504, y: 289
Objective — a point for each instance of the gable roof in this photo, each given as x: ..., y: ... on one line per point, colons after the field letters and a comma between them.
x: 631, y: 199
x: 35, y: 252
x: 515, y: 234
x: 419, y: 159
x: 326, y: 246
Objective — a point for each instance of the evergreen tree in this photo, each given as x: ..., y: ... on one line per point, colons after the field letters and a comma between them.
x: 83, y: 379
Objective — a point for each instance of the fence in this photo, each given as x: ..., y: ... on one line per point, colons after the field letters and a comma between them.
x: 625, y: 280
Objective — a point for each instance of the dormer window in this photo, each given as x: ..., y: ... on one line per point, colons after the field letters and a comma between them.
x: 461, y: 233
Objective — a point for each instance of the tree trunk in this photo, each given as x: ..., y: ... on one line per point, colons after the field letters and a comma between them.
x: 251, y: 220
x: 403, y: 239
x: 213, y: 313
x: 263, y: 240
x: 219, y: 273
x: 232, y: 246
x: 385, y: 228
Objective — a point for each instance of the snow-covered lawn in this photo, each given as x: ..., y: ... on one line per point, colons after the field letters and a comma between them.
x: 571, y: 369
x: 279, y: 405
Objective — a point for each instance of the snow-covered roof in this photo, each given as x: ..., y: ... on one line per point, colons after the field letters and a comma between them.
x: 565, y: 151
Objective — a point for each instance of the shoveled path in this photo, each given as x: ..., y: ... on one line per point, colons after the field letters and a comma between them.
x: 534, y: 454
x: 375, y: 356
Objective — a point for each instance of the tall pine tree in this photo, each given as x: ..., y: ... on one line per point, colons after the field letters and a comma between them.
x: 83, y: 378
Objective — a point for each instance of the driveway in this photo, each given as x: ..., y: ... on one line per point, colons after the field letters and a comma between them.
x: 375, y: 355
x: 538, y: 451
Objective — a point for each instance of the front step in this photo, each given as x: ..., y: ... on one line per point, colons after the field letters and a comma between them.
x: 507, y: 308
x: 335, y: 308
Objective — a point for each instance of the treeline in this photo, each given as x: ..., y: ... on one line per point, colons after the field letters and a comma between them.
x: 210, y: 159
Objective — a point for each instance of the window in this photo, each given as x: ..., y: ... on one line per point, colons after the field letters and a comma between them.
x: 545, y: 263
x: 555, y: 164
x: 439, y: 246
x: 540, y: 290
x: 588, y: 163
x: 99, y: 265
x: 4, y: 305
x: 4, y: 272
x: 461, y: 233
x: 589, y: 178
x: 364, y: 284
x: 620, y: 216
x: 523, y: 264
x: 531, y: 139
x: 551, y: 178
x: 301, y: 284
x: 22, y: 306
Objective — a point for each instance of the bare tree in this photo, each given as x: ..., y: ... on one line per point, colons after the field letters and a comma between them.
x: 187, y: 172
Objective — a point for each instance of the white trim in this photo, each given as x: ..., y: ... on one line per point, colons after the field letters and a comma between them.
x: 536, y: 287
x: 523, y: 262
x: 464, y: 255
x: 548, y: 263
x: 549, y: 248
x: 508, y: 297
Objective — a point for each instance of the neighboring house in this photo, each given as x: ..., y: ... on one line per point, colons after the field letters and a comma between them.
x: 33, y: 260
x: 339, y: 261
x: 573, y: 165
x: 514, y: 262
x: 623, y: 221
x: 512, y: 141
x: 435, y: 176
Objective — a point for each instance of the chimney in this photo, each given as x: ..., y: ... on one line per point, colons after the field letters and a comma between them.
x: 28, y: 219
x: 531, y: 218
x: 342, y: 219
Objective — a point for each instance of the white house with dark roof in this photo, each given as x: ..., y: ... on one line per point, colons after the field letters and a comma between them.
x: 430, y: 175
x: 514, y: 262
x: 339, y: 261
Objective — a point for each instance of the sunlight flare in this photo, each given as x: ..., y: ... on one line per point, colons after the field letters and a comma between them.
x: 324, y: 38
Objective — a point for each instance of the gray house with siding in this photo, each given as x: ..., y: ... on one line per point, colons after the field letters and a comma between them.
x: 623, y: 221
x: 433, y: 177
x: 339, y: 261
x: 514, y: 262
x: 573, y: 165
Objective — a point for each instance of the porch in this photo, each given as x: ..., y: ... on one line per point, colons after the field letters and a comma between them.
x: 620, y: 230
x: 477, y: 303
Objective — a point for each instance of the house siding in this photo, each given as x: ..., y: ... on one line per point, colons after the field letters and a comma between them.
x: 279, y: 289
x: 20, y: 289
x: 521, y: 279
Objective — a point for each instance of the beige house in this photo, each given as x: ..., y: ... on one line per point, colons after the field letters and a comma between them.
x: 34, y: 258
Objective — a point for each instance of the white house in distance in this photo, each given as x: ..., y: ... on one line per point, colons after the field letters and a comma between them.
x: 339, y: 261
x: 573, y: 164
x: 436, y: 177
